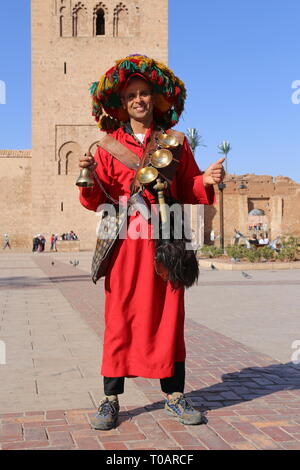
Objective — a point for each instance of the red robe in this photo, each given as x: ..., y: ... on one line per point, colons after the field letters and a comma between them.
x: 144, y: 317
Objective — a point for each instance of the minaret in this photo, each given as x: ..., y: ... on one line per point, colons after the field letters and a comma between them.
x: 73, y: 43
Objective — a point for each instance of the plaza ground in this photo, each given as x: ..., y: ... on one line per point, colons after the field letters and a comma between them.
x: 240, y: 332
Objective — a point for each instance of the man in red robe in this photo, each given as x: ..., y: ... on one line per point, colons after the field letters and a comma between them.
x: 144, y: 316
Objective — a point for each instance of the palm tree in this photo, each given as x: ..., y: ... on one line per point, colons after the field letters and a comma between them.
x: 225, y: 148
x: 194, y: 139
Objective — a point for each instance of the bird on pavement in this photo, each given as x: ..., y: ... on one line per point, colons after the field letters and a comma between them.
x: 75, y: 262
x: 213, y: 267
x: 246, y: 275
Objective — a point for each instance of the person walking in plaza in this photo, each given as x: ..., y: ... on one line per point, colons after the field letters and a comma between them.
x: 6, y: 242
x: 52, y: 242
x: 144, y: 312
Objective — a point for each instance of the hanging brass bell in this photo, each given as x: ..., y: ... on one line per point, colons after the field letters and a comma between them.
x: 161, y: 158
x: 167, y: 141
x: 85, y: 179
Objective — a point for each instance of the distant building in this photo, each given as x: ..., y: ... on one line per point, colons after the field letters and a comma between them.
x: 255, y: 204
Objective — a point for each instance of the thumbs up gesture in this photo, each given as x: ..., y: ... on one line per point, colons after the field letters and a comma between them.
x: 215, y: 173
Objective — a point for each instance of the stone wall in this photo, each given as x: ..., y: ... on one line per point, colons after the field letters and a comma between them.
x: 15, y: 184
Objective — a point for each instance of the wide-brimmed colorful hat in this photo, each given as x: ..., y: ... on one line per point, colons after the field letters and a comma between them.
x: 169, y: 90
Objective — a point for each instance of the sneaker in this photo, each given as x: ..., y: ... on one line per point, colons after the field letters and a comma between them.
x: 183, y: 410
x: 107, y: 415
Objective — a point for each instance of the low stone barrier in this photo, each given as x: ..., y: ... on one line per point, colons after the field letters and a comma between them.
x: 68, y: 245
x: 246, y: 266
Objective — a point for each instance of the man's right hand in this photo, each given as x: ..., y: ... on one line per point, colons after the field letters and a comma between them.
x: 88, y: 161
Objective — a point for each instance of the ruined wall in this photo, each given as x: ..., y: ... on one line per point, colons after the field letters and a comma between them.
x: 278, y: 197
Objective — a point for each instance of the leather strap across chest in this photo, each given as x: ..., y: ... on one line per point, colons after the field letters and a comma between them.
x: 123, y: 153
x: 119, y: 151
x: 132, y: 161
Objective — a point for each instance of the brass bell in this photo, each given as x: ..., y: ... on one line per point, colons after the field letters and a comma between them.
x: 167, y: 141
x: 147, y: 174
x: 161, y: 158
x: 85, y: 179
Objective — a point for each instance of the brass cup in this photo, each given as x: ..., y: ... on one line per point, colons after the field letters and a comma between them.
x: 147, y: 175
x: 167, y: 141
x: 161, y: 158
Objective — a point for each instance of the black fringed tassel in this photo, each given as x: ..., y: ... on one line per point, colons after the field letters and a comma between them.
x: 179, y: 264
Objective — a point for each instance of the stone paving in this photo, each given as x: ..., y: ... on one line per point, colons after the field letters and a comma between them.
x: 51, y: 322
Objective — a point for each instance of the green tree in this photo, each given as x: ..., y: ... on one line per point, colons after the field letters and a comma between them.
x: 225, y: 148
x: 194, y: 139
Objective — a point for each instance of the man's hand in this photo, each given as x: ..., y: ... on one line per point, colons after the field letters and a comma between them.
x: 88, y: 161
x: 215, y: 173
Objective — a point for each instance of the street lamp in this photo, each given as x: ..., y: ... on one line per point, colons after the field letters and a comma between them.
x: 224, y: 148
x: 221, y: 187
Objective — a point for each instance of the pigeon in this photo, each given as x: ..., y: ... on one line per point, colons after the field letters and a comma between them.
x: 246, y: 275
x: 75, y: 262
x: 213, y: 267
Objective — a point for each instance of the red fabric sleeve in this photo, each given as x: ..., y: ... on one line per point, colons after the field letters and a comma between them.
x: 92, y: 197
x: 189, y: 180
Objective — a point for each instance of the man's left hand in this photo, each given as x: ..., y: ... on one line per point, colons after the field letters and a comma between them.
x: 215, y: 173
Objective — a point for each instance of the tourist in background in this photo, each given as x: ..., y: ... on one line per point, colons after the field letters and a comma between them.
x: 6, y: 241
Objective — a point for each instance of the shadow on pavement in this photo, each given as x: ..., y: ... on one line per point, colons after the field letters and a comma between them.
x: 238, y: 387
x: 248, y: 384
x: 22, y: 281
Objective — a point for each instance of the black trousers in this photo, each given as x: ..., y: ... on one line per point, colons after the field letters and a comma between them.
x: 115, y: 385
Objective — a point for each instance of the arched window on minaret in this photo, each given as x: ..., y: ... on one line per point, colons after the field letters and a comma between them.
x: 80, y: 20
x: 62, y: 13
x: 68, y: 159
x: 61, y: 26
x: 68, y: 156
x: 100, y: 23
x: 100, y: 11
x: 121, y: 20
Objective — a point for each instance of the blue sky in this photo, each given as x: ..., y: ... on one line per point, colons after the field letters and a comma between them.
x: 238, y: 59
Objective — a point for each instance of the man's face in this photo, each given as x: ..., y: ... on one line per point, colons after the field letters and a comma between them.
x: 137, y: 99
